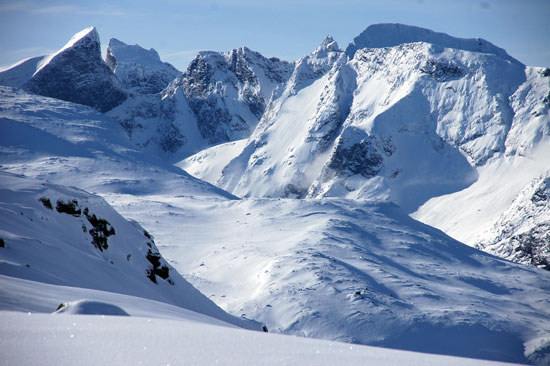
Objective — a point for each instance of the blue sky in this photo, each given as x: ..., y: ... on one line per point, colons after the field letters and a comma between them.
x: 285, y: 29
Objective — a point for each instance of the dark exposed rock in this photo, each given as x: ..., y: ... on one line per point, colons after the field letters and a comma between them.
x: 358, y: 153
x: 69, y: 207
x: 46, y: 202
x: 78, y: 74
x: 441, y: 71
x: 101, y: 230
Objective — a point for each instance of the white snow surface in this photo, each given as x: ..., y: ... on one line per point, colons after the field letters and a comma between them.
x: 139, y: 70
x: 29, y: 339
x: 350, y: 271
x: 21, y: 72
x: 75, y: 145
x: 392, y: 34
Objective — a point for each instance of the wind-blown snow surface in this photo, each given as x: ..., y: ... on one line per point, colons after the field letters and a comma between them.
x: 352, y: 271
x: 66, y: 340
x: 74, y: 145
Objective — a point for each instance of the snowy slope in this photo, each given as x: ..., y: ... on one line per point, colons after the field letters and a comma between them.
x: 17, y: 75
x: 219, y: 98
x: 65, y: 339
x: 414, y: 117
x: 71, y: 144
x: 139, y: 70
x: 67, y: 237
x: 351, y: 271
x: 78, y: 74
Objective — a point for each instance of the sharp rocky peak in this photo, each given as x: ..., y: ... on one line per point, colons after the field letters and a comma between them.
x: 328, y: 45
x: 77, y: 73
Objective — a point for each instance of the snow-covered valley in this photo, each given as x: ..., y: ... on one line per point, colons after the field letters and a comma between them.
x: 282, y: 192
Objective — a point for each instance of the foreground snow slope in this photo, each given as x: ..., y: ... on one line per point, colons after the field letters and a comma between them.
x: 352, y: 271
x: 64, y: 236
x: 28, y: 339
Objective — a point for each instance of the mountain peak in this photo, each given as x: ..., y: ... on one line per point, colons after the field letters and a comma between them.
x: 132, y: 53
x: 77, y: 73
x: 138, y: 69
x: 328, y: 45
x: 393, y: 34
x: 86, y: 37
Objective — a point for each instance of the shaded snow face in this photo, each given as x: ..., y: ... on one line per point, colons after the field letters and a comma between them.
x: 78, y: 74
x: 90, y: 307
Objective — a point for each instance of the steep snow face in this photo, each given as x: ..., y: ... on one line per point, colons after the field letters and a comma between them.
x: 75, y: 145
x: 20, y: 73
x: 421, y: 117
x: 522, y: 232
x: 139, y: 70
x: 78, y: 74
x: 389, y: 35
x: 65, y: 236
x: 295, y: 129
x: 351, y: 271
x: 473, y: 215
x: 219, y: 98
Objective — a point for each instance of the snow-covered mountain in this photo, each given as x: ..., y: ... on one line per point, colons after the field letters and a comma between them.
x: 219, y: 98
x: 331, y: 154
x: 401, y: 122
x: 78, y: 74
x: 139, y: 70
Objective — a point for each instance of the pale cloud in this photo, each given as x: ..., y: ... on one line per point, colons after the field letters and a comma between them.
x: 38, y: 8
x: 78, y: 10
